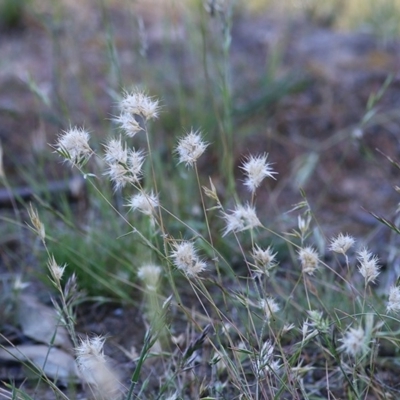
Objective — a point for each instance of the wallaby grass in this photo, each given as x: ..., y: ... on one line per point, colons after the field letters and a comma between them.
x: 247, y: 331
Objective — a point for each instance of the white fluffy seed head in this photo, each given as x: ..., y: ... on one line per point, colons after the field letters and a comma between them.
x: 128, y: 172
x: 341, y: 243
x: 139, y: 103
x: 184, y: 257
x: 90, y: 352
x: 265, y: 363
x: 393, y: 304
x: 73, y: 144
x: 190, y: 148
x: 135, y: 163
x: 309, y: 260
x: 95, y: 369
x: 240, y: 219
x: 368, y: 267
x: 119, y: 175
x: 354, y: 342
x: 115, y: 152
x: 144, y: 202
x: 129, y: 124
x: 264, y: 260
x: 150, y: 275
x: 269, y: 306
x: 256, y: 169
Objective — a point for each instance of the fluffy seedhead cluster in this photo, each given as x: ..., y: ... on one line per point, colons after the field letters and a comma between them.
x: 150, y: 274
x: 342, y: 243
x: 354, y: 342
x: 96, y: 370
x: 308, y: 257
x: 393, y: 304
x: 184, y: 256
x: 73, y: 144
x: 144, y: 202
x: 264, y: 260
x: 256, y: 170
x: 269, y: 307
x: 251, y: 322
x: 265, y: 363
x: 241, y: 219
x: 133, y: 106
x: 190, y: 148
x: 368, y: 267
x: 124, y: 166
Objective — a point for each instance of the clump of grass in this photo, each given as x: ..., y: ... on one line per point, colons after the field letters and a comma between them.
x: 301, y: 327
x: 228, y: 313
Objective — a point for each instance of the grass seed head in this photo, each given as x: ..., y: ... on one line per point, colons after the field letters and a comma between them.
x: 354, y: 342
x: 38, y: 226
x: 368, y: 267
x: 240, y: 219
x: 256, y: 169
x: 144, y: 202
x: 56, y: 270
x: 139, y: 103
x: 128, y: 172
x: 119, y: 175
x: 303, y: 224
x: 265, y: 364
x: 95, y: 369
x: 269, y: 306
x: 190, y: 148
x: 150, y: 275
x: 73, y: 144
x: 116, y: 152
x: 90, y: 352
x: 264, y: 260
x: 393, y: 304
x: 129, y: 124
x: 309, y: 260
x: 341, y: 243
x: 135, y: 163
x: 317, y: 321
x: 185, y: 258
